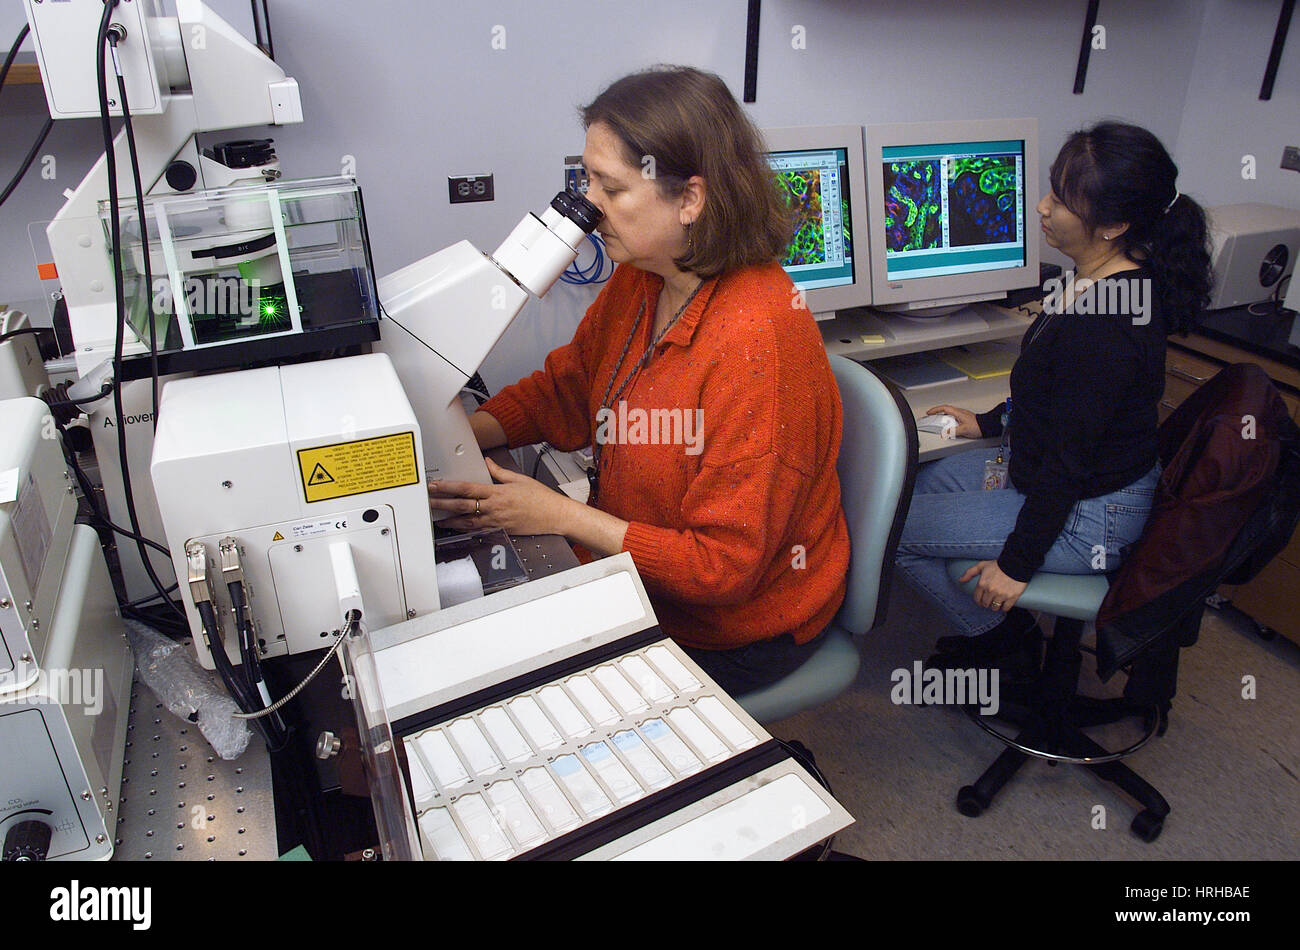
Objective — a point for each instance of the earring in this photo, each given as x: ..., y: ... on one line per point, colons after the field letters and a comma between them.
x: 690, y: 241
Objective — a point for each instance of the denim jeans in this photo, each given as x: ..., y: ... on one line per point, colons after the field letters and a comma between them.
x: 952, y: 516
x: 744, y: 669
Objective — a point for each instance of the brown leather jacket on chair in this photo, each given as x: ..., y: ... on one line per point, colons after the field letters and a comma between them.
x: 1226, y: 452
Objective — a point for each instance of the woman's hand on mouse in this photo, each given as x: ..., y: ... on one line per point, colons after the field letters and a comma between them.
x: 967, y: 425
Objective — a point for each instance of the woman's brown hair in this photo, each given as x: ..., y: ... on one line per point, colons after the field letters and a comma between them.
x: 675, y: 122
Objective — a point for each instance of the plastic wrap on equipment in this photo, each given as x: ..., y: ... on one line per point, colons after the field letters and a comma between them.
x: 188, y: 690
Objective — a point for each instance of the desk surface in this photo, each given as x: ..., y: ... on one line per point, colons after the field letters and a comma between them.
x: 977, y: 395
x: 1263, y: 335
x: 848, y: 333
x: 844, y: 336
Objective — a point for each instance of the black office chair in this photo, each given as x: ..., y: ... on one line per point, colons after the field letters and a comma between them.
x: 1050, y: 712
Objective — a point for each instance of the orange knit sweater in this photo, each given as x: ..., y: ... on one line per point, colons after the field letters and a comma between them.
x: 722, y: 457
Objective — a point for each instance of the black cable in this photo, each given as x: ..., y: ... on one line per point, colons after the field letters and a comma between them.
x: 217, y: 648
x: 66, y: 402
x: 27, y: 161
x: 251, y: 669
x: 45, y: 131
x: 115, y: 229
x: 1278, y: 304
x: 127, y: 607
x: 351, y: 627
x: 213, y: 640
x: 145, y: 600
x: 166, y: 624
x: 5, y: 337
x: 13, y: 51
x: 144, y: 241
x: 88, y: 492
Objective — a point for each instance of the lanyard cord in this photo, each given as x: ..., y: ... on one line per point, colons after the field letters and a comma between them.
x: 605, y: 401
x: 1004, y: 448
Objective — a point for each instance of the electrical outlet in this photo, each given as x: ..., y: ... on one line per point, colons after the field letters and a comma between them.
x: 461, y: 188
x: 1291, y: 158
x: 575, y: 176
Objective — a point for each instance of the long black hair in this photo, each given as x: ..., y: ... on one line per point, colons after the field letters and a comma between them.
x: 1115, y: 173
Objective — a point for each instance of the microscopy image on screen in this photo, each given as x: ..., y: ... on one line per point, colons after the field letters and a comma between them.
x: 913, y: 205
x: 981, y: 200
x: 802, y: 188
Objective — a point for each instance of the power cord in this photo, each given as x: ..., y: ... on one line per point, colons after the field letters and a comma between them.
x: 45, y: 130
x: 143, y: 224
x: 115, y: 229
x: 6, y: 337
x: 13, y: 52
x: 1273, y: 305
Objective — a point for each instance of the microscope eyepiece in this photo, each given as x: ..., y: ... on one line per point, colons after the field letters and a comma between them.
x: 578, y: 210
x: 540, y: 247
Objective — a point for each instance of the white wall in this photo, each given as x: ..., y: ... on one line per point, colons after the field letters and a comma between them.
x: 1224, y: 120
x: 414, y: 91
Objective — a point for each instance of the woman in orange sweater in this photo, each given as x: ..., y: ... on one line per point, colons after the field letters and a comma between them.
x: 702, y: 385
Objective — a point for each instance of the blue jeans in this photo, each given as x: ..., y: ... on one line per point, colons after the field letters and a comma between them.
x: 952, y: 516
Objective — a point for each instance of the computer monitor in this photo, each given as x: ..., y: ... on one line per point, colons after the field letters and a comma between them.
x: 951, y: 206
x: 819, y: 169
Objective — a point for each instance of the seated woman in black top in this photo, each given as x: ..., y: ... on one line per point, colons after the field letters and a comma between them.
x: 1079, y: 431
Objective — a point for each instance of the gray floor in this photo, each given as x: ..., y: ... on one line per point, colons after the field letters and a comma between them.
x: 1229, y: 766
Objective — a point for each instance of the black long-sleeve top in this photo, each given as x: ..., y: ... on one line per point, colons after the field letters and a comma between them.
x: 1084, y: 398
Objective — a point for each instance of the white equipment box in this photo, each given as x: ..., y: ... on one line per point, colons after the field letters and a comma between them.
x: 1254, y: 247
x: 22, y: 372
x: 37, y: 509
x: 287, y: 461
x: 65, y: 37
x: 555, y: 720
x: 65, y: 664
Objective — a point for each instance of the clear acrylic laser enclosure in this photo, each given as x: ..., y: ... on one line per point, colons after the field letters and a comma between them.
x: 283, y: 266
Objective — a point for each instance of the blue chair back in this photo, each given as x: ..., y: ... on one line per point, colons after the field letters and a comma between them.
x: 877, y: 468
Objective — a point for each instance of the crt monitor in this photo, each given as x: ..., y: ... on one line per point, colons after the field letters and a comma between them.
x: 819, y: 170
x: 951, y: 206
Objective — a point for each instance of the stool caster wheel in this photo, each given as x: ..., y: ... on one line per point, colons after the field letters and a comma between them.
x: 971, y: 802
x: 1147, y: 825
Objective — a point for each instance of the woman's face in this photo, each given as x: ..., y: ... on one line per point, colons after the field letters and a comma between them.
x: 1062, y: 228
x: 640, y: 227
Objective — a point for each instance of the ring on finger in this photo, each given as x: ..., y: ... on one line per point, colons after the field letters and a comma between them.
x: 477, y: 511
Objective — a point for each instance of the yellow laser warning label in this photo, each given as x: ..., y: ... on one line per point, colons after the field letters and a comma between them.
x: 351, y: 468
